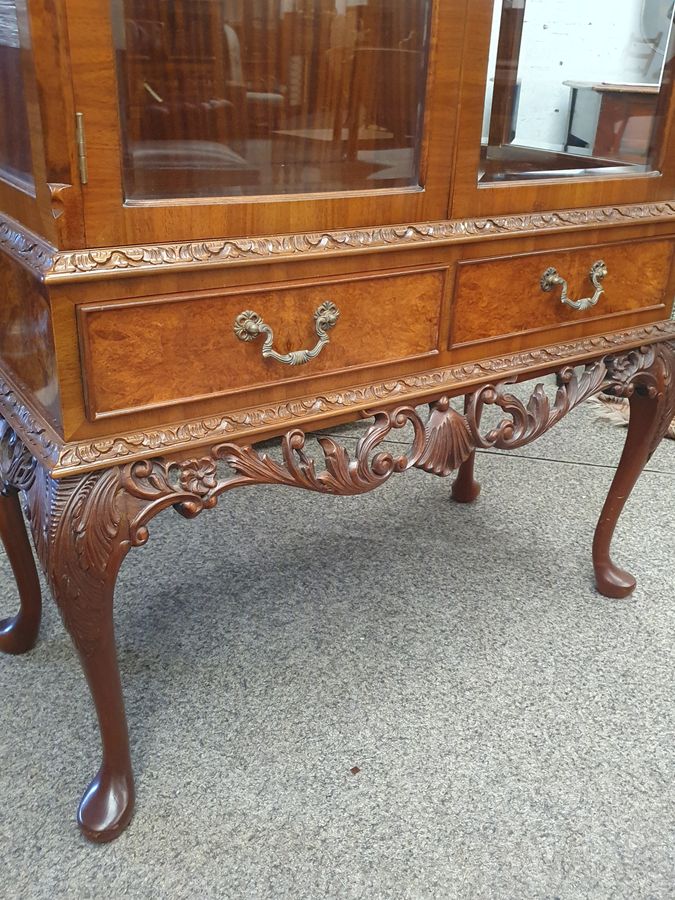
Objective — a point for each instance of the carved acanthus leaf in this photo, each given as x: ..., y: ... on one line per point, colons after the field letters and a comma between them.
x: 525, y: 422
x: 194, y: 485
x: 80, y: 529
x: 438, y: 445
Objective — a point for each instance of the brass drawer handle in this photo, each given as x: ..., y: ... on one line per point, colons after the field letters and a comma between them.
x: 248, y: 325
x: 551, y: 279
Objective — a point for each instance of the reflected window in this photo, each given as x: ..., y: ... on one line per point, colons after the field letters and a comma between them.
x: 576, y: 88
x: 16, y: 166
x: 269, y: 97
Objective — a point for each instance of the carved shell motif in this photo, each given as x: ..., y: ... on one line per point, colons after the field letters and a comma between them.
x: 448, y: 440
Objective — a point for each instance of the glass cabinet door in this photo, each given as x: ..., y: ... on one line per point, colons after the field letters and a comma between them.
x: 16, y: 166
x: 574, y: 91
x: 268, y: 97
x: 217, y: 118
x: 574, y: 88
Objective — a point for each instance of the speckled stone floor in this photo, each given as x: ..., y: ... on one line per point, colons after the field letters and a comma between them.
x: 514, y: 731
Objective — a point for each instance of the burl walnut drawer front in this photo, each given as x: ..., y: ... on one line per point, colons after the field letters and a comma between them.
x: 156, y: 351
x: 524, y: 294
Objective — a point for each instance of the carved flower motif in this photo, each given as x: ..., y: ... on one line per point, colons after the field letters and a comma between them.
x: 199, y: 477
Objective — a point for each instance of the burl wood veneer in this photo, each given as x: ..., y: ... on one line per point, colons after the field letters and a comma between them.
x: 218, y: 229
x: 386, y: 317
x: 638, y: 279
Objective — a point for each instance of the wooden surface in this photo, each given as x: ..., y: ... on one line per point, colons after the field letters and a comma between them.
x: 503, y: 297
x: 26, y: 337
x: 19, y: 633
x: 159, y: 350
x: 612, y: 87
x: 109, y: 221
x: 123, y: 389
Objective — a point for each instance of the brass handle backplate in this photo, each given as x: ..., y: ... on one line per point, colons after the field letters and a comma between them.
x: 248, y: 325
x: 551, y: 279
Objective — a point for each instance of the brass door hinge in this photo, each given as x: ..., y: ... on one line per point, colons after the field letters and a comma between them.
x: 81, y: 147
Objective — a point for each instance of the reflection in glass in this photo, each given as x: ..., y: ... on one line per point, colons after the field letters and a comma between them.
x: 576, y: 87
x: 257, y: 97
x: 15, y: 155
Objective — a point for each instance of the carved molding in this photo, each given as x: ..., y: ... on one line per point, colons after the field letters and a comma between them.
x: 52, y: 264
x: 27, y: 248
x: 39, y: 437
x: 200, y: 432
x: 438, y: 445
x: 209, y: 253
x: 63, y: 459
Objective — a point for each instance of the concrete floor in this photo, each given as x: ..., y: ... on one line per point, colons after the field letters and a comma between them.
x: 514, y: 731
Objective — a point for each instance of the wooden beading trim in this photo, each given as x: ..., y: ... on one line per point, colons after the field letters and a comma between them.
x: 53, y: 265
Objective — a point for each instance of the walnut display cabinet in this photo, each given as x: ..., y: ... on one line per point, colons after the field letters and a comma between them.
x: 229, y: 221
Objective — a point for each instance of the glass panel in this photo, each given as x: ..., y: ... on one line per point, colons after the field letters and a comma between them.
x: 257, y: 97
x: 576, y: 87
x: 16, y: 165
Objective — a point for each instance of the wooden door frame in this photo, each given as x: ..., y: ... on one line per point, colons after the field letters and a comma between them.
x: 109, y: 221
x: 51, y: 207
x: 471, y: 199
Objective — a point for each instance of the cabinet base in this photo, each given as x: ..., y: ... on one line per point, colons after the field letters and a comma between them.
x: 84, y: 525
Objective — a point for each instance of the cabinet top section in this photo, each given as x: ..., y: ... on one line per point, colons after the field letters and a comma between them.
x: 161, y: 125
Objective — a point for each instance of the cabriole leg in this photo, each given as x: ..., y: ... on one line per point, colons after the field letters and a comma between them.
x: 107, y: 805
x: 81, y: 532
x: 652, y: 408
x: 465, y: 488
x: 19, y: 633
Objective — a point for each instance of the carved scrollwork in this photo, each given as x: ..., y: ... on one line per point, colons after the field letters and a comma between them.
x: 17, y: 465
x: 194, y: 485
x: 525, y: 422
x: 198, y: 432
x: 648, y: 370
x: 438, y: 445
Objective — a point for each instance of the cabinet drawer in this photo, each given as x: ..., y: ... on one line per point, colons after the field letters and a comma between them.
x: 155, y: 351
x: 497, y: 298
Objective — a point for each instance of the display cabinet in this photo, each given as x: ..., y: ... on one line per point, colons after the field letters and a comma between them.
x: 227, y: 221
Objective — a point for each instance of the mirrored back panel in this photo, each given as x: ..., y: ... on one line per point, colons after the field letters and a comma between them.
x: 269, y: 97
x: 576, y: 87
